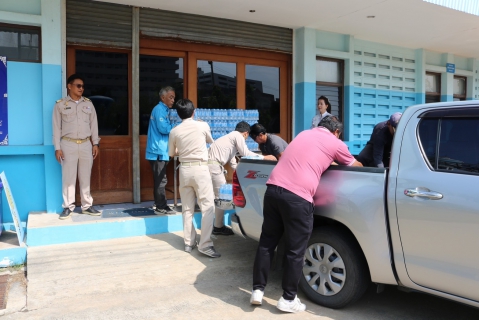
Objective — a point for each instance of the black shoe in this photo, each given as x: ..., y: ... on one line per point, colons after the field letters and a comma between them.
x: 188, y: 248
x: 65, y: 214
x: 91, y: 211
x: 210, y: 252
x: 166, y: 210
x: 223, y: 231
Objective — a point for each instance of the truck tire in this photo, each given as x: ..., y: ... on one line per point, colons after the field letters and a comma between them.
x: 335, y: 272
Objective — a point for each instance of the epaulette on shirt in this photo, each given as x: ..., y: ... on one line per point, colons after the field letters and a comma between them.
x: 86, y: 99
x: 59, y: 100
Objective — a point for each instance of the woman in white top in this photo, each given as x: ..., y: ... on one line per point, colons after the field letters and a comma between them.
x: 323, y: 107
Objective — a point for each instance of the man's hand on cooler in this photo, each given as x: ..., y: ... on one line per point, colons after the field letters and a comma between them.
x: 270, y: 157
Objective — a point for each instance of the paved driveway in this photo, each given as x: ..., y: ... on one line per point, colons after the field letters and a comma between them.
x: 150, y: 277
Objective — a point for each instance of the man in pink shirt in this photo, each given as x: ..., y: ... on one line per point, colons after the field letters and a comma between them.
x: 288, y: 206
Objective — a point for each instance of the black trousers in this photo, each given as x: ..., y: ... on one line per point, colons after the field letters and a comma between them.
x: 284, y: 212
x: 159, y: 178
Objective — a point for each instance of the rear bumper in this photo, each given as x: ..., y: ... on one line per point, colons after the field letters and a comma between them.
x: 236, y: 226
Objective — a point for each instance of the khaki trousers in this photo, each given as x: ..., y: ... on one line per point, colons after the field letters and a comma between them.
x: 78, y: 159
x: 195, y: 183
x: 218, y: 179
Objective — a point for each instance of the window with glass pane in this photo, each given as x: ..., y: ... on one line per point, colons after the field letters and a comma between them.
x: 20, y: 43
x: 216, y: 85
x: 428, y: 138
x: 262, y: 94
x: 433, y: 87
x: 156, y: 73
x: 329, y: 83
x: 459, y: 89
x: 459, y: 145
x: 328, y: 71
x: 106, y: 85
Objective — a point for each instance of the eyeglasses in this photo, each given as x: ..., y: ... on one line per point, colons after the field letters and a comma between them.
x: 79, y: 86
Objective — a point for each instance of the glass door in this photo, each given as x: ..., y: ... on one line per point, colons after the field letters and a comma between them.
x: 157, y: 70
x: 107, y: 85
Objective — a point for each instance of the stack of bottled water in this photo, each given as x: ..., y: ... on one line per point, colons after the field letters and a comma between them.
x: 174, y: 118
x: 226, y: 192
x: 223, y: 121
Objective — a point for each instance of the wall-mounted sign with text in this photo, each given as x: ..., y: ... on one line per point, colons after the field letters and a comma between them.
x: 450, y: 68
x: 3, y: 102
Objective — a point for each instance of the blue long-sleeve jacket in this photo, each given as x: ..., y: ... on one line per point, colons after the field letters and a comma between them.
x: 158, y: 132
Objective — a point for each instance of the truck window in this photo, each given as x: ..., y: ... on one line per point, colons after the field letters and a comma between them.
x: 459, y: 145
x: 428, y: 138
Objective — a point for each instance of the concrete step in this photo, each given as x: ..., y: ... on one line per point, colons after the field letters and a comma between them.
x: 11, y: 253
x: 47, y: 229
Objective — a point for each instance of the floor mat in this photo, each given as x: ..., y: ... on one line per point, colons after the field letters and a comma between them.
x: 135, y: 212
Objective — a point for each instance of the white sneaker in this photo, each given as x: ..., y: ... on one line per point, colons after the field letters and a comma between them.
x: 256, y: 297
x: 291, y: 305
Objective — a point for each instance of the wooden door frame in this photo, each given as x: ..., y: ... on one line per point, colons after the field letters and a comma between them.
x: 240, y: 56
x: 125, y: 141
x: 146, y: 193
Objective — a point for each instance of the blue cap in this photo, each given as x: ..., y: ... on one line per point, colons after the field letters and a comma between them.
x: 394, y: 119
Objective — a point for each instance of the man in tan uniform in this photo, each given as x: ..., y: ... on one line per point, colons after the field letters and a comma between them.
x: 189, y: 140
x: 222, y: 151
x: 74, y: 124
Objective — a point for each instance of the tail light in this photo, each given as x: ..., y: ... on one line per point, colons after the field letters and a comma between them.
x: 238, y: 197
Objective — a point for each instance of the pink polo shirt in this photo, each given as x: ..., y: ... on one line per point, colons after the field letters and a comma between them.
x: 306, y: 158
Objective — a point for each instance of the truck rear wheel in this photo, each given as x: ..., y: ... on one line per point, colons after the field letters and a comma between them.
x: 335, y: 272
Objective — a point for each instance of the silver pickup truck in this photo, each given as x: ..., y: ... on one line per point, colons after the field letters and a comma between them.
x: 413, y: 225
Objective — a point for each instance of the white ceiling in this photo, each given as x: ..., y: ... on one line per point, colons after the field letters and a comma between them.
x: 406, y: 23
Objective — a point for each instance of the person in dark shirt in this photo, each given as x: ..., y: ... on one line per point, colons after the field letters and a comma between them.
x: 269, y: 144
x: 377, y: 151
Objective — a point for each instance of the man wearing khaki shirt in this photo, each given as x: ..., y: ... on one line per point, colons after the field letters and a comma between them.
x: 74, y: 124
x: 189, y: 140
x: 221, y: 152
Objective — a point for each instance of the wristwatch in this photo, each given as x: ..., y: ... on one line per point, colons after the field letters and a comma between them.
x: 98, y: 145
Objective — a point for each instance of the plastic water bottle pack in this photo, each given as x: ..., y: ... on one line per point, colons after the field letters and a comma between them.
x: 223, y: 121
x: 226, y: 192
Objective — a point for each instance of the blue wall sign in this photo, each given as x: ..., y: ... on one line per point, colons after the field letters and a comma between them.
x: 3, y: 102
x: 450, y: 68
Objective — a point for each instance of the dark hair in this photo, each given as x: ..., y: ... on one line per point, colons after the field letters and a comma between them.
x: 256, y: 130
x: 73, y: 77
x: 326, y: 100
x: 184, y: 108
x: 243, y: 126
x: 331, y: 123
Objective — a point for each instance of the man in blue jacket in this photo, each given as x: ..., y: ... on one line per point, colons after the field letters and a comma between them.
x: 157, y: 147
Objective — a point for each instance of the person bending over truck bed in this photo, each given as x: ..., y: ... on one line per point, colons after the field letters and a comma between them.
x: 288, y: 206
x: 222, y: 151
x: 269, y: 144
x: 377, y: 152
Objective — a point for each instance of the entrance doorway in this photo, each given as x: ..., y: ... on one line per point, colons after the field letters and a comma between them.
x: 237, y: 78
x: 107, y: 84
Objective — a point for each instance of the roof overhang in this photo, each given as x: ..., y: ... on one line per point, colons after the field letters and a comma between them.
x: 406, y: 23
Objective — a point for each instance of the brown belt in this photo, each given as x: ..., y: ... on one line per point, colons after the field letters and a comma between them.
x: 77, y: 141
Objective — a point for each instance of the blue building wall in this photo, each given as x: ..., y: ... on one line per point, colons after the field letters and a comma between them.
x: 29, y: 163
x: 379, y: 79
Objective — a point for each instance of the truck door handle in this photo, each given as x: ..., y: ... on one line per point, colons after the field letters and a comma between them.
x: 423, y: 193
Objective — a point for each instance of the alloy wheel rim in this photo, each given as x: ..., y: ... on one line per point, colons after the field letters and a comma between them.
x: 324, y: 269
